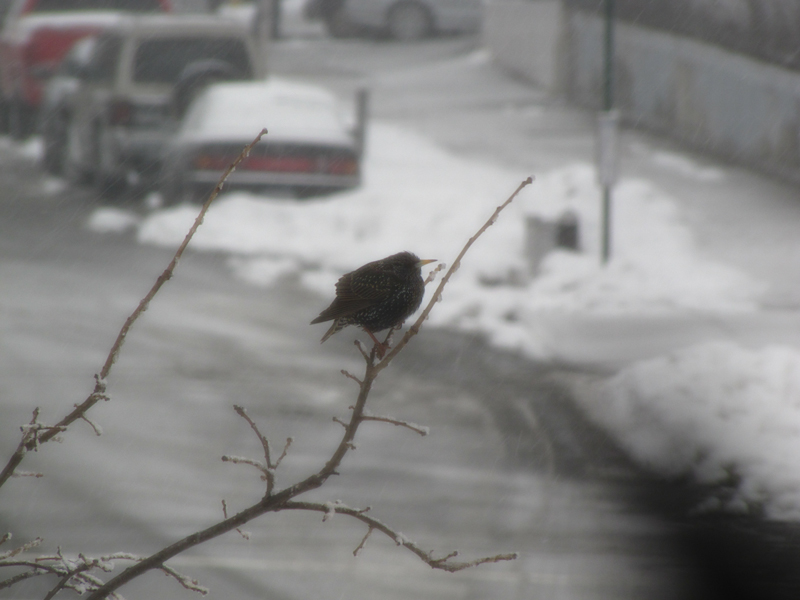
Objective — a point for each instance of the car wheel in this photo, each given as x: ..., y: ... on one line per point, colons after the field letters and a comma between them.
x: 54, y: 138
x: 21, y: 119
x: 3, y: 116
x: 110, y: 182
x: 408, y: 21
x: 74, y: 170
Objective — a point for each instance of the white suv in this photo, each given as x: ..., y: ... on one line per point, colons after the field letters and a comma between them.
x: 141, y: 74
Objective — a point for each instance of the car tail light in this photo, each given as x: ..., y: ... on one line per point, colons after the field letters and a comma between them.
x: 120, y: 112
x: 283, y: 164
x: 207, y: 161
x: 343, y: 166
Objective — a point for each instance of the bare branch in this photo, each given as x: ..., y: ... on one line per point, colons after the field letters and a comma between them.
x: 35, y: 570
x: 349, y: 375
x: 398, y: 538
x: 420, y: 429
x: 244, y: 534
x: 24, y: 548
x: 267, y: 469
x: 360, y: 547
x: 289, y: 441
x: 243, y: 460
x: 6, y: 583
x: 33, y: 474
x: 97, y: 429
x: 261, y: 437
x: 74, y: 574
x: 187, y: 582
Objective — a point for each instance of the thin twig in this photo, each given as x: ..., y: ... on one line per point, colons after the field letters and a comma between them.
x: 187, y: 582
x: 243, y: 460
x: 420, y: 429
x: 349, y: 375
x: 244, y: 534
x: 20, y: 549
x: 261, y: 438
x: 444, y: 563
x: 360, y: 547
x: 289, y: 441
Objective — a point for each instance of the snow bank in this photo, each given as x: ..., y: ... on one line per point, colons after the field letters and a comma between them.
x: 418, y: 197
x: 719, y: 412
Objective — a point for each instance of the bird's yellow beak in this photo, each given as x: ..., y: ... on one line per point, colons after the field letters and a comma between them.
x: 427, y: 261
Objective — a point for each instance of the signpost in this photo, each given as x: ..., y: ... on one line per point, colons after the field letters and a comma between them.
x: 607, y: 135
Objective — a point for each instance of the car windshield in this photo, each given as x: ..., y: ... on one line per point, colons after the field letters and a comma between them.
x: 163, y: 60
x: 121, y: 5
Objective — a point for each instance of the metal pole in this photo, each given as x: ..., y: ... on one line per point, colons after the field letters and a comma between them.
x: 608, y: 54
x: 362, y: 115
x: 608, y: 105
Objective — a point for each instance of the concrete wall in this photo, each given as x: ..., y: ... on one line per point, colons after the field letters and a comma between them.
x: 712, y: 99
x: 525, y: 37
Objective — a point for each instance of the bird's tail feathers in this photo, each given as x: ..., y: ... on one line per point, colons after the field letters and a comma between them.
x: 337, y: 326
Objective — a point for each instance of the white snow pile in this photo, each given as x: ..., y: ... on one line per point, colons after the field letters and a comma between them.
x: 721, y: 413
x: 418, y: 197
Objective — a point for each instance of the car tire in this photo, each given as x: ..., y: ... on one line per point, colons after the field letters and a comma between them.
x: 409, y: 21
x: 3, y: 116
x: 74, y: 172
x: 21, y: 119
x: 54, y: 138
x: 109, y: 181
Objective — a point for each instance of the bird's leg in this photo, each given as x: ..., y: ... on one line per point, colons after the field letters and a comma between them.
x: 380, y: 347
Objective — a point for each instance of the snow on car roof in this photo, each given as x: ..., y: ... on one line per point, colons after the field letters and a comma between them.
x: 291, y: 111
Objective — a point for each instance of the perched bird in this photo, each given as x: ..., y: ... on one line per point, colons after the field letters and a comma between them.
x: 377, y: 296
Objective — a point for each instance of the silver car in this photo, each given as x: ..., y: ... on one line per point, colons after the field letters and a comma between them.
x: 403, y: 20
x: 310, y: 148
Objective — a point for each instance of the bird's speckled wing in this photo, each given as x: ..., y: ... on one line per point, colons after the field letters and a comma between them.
x: 354, y: 292
x: 368, y: 282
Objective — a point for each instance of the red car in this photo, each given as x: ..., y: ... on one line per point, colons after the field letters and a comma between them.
x: 36, y: 35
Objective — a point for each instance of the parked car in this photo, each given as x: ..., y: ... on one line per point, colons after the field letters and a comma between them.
x: 36, y: 35
x: 309, y: 149
x: 403, y: 20
x: 140, y: 75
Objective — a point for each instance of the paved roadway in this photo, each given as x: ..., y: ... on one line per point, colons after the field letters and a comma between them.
x: 509, y: 465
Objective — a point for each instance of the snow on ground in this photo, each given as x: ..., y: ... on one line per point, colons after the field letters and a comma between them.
x: 724, y: 414
x: 718, y: 411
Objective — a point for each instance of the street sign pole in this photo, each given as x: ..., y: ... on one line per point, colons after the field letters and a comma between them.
x: 608, y: 127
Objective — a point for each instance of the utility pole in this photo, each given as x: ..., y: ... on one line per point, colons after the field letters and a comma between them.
x: 608, y: 134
